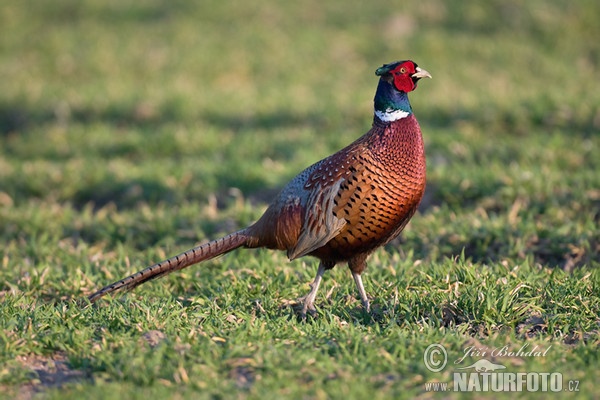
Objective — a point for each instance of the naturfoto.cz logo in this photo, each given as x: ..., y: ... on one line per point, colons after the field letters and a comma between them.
x: 487, y: 376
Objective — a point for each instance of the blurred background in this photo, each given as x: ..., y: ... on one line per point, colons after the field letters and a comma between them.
x: 141, y: 123
x: 132, y: 130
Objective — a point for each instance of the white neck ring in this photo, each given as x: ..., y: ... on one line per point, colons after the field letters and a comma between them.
x: 391, y: 115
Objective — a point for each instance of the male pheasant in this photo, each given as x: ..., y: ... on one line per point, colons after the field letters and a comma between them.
x: 343, y: 207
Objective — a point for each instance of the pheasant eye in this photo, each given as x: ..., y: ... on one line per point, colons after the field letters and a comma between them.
x: 402, y: 70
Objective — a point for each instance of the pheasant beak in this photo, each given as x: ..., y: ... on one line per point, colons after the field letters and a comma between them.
x: 421, y: 73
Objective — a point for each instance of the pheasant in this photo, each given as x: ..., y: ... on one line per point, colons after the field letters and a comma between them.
x: 343, y: 207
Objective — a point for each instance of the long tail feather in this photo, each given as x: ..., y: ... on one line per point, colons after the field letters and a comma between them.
x: 201, y: 253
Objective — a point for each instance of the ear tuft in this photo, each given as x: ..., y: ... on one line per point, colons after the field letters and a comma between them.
x: 386, y: 68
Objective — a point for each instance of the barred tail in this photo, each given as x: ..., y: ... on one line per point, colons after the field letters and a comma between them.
x: 201, y: 253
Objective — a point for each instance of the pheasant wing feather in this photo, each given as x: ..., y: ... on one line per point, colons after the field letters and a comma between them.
x: 320, y: 223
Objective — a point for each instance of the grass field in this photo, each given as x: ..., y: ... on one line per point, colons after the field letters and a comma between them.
x: 130, y: 131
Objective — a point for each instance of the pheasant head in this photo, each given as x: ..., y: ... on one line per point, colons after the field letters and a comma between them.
x: 397, y: 79
x: 404, y: 75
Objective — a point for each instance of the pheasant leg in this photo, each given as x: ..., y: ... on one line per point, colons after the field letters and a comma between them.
x: 308, y: 301
x: 361, y: 291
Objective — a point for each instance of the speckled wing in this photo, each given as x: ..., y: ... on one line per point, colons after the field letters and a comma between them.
x: 320, y: 223
x: 324, y: 183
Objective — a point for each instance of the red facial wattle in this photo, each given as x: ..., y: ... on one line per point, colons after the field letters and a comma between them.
x: 402, y: 77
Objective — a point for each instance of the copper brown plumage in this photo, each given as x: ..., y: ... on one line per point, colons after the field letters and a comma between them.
x: 343, y: 207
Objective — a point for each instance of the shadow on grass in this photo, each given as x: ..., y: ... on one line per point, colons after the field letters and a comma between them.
x: 275, y: 120
x: 124, y: 194
x: 490, y: 246
x: 18, y: 117
x: 541, y: 243
x: 518, y: 121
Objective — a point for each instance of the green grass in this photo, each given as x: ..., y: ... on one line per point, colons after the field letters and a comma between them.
x: 129, y: 132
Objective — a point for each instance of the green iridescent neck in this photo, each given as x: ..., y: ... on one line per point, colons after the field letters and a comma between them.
x: 391, y: 104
